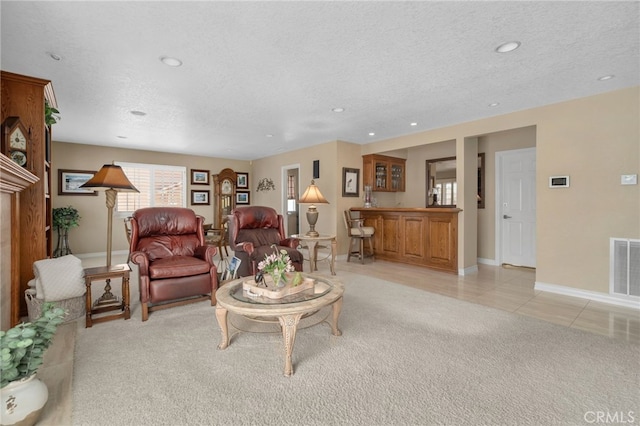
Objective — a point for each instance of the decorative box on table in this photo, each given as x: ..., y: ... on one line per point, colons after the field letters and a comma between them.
x: 273, y: 292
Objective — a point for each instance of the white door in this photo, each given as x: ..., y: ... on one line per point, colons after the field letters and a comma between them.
x: 516, y: 207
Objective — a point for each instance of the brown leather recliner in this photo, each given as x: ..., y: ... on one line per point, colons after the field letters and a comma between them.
x: 176, y: 267
x: 253, y: 230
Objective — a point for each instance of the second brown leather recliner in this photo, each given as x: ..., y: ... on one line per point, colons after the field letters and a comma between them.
x: 253, y: 231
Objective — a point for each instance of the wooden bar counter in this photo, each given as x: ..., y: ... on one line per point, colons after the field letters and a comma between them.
x: 418, y: 236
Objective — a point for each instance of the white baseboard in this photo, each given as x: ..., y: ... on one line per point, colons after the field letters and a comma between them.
x: 487, y: 261
x: 101, y: 254
x: 627, y: 302
x: 468, y: 270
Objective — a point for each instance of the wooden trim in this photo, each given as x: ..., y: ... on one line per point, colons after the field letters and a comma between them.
x: 14, y: 178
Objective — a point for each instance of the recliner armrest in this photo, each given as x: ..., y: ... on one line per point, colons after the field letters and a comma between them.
x: 290, y: 242
x: 142, y: 260
x: 206, y: 253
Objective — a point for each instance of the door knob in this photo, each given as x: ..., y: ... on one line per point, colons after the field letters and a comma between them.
x: 506, y: 217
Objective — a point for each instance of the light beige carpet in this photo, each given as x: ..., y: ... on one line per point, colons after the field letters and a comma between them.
x: 406, y: 357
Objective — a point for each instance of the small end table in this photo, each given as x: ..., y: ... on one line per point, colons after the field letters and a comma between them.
x: 312, y: 247
x: 107, y: 273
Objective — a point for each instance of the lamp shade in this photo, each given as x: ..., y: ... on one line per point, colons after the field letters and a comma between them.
x: 313, y: 195
x: 110, y: 176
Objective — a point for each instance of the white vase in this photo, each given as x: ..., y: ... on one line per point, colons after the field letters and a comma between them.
x: 23, y: 401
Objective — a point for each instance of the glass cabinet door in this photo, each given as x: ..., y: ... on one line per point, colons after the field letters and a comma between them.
x: 397, y: 177
x: 381, y: 176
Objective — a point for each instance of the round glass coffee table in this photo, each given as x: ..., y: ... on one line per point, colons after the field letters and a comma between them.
x: 288, y: 310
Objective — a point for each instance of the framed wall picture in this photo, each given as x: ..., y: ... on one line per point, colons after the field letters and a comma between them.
x: 200, y: 197
x: 199, y: 177
x: 242, y: 180
x: 242, y: 197
x: 69, y: 182
x: 350, y: 182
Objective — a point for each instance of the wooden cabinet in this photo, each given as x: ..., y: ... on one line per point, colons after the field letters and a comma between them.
x: 383, y: 173
x: 420, y: 236
x: 24, y: 97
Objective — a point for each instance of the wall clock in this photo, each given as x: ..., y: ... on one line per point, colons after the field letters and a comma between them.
x: 15, y: 141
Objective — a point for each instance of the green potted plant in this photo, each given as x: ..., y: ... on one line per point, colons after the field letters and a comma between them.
x: 64, y: 218
x: 22, y: 350
x: 50, y: 114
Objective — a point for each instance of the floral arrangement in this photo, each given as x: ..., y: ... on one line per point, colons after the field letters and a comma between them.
x: 276, y: 264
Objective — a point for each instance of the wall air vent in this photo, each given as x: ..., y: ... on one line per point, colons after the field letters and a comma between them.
x: 624, y: 267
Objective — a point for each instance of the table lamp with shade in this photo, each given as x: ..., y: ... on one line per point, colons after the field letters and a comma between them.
x: 111, y: 178
x: 313, y: 196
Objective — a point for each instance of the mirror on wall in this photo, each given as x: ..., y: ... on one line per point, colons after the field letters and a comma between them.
x: 442, y: 187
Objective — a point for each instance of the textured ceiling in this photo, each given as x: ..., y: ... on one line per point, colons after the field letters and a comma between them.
x: 256, y: 68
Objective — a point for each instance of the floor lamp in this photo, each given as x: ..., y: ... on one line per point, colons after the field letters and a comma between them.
x: 111, y: 178
x: 312, y: 196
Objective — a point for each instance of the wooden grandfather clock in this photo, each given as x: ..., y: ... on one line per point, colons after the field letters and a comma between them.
x: 224, y: 186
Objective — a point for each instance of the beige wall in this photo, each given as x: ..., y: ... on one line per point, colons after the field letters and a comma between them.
x: 594, y: 140
x: 333, y: 156
x: 91, y: 235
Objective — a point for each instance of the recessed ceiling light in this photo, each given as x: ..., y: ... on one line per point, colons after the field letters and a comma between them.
x: 139, y: 113
x: 606, y: 77
x: 269, y: 135
x: 172, y: 62
x: 508, y: 46
x: 54, y: 56
x: 338, y: 110
x: 371, y: 134
x: 414, y: 124
x: 494, y: 104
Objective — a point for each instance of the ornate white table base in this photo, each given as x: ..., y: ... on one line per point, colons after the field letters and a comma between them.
x: 288, y: 314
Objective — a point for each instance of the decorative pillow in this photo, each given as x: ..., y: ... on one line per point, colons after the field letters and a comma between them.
x: 59, y: 278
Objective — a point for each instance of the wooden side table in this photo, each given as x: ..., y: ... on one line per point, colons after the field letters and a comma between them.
x: 107, y: 302
x: 312, y: 247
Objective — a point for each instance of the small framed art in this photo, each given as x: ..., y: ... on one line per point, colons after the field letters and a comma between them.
x: 242, y: 197
x: 199, y: 177
x: 200, y: 197
x: 243, y: 180
x: 69, y: 182
x: 350, y: 182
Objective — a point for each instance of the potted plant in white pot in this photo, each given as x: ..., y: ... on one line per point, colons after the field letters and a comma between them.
x: 22, y: 350
x: 64, y: 218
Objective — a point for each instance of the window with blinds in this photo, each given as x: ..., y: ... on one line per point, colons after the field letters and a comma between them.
x: 159, y: 186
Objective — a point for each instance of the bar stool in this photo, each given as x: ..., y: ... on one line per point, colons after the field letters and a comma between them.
x: 358, y: 234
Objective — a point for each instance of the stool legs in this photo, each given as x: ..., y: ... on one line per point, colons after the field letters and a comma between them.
x: 360, y: 245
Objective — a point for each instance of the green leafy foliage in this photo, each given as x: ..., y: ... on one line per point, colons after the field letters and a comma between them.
x: 65, y: 218
x: 50, y: 114
x: 22, y: 347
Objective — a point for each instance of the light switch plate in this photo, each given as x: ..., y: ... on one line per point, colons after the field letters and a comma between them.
x: 629, y: 180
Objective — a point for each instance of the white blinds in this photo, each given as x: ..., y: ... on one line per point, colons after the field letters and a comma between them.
x: 159, y: 186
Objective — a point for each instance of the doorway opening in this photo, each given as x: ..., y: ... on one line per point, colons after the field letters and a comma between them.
x: 290, y: 196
